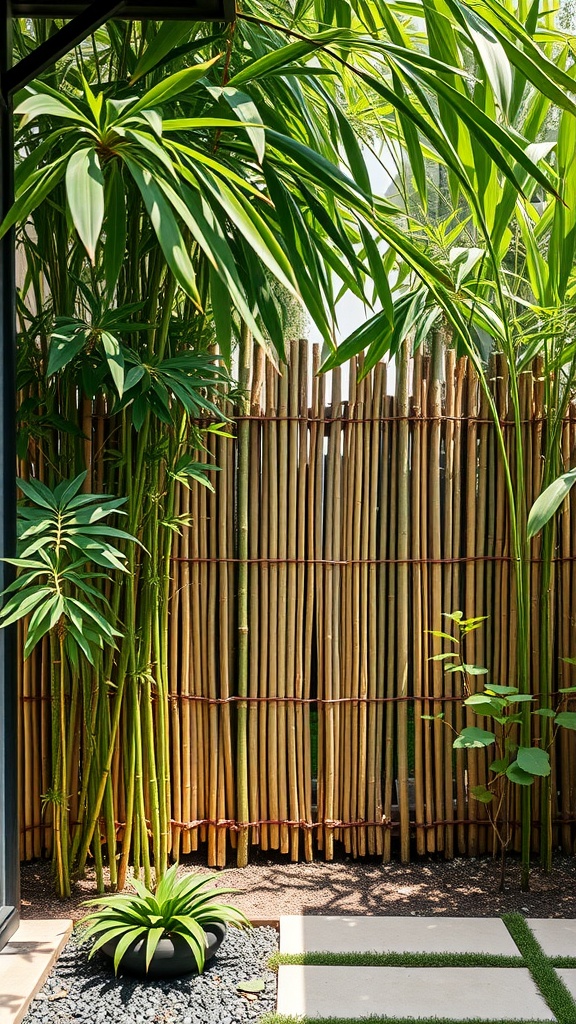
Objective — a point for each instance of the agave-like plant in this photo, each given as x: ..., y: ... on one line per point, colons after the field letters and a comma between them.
x: 179, y: 907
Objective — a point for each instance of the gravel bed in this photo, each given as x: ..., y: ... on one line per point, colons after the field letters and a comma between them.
x: 79, y: 989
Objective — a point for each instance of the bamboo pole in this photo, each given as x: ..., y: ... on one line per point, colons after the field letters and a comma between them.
x: 449, y: 547
x: 373, y: 782
x: 266, y: 631
x: 418, y: 625
x: 256, y: 749
x: 391, y: 625
x: 436, y: 609
x: 292, y: 596
x: 329, y: 713
x: 317, y: 440
x: 402, y: 637
x: 274, y: 784
x: 282, y: 766
x: 345, y: 770
x: 303, y: 606
x: 243, y: 597
x: 460, y: 466
x: 427, y: 643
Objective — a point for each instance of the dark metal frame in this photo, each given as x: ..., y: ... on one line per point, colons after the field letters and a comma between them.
x: 86, y: 18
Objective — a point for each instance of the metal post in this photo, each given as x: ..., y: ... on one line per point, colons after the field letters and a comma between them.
x: 9, y: 825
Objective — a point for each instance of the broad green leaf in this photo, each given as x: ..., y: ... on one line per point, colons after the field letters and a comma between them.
x: 63, y: 348
x: 517, y: 775
x: 482, y: 794
x: 503, y: 691
x: 474, y: 737
x: 115, y: 360
x: 85, y: 192
x: 166, y: 228
x: 169, y: 88
x: 169, y: 35
x: 549, y: 502
x: 567, y: 719
x: 533, y: 760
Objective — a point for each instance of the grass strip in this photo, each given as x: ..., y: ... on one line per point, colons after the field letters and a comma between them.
x: 540, y: 966
x: 282, y: 1018
x: 563, y: 961
x: 318, y: 959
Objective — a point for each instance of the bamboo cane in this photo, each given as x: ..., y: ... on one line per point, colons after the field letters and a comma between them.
x: 317, y: 439
x: 303, y: 636
x: 448, y: 596
x: 274, y: 785
x: 266, y: 629
x: 291, y: 595
x: 243, y: 598
x: 417, y: 624
x: 256, y: 751
x: 345, y: 739
x: 374, y: 796
x: 391, y: 625
x: 436, y: 609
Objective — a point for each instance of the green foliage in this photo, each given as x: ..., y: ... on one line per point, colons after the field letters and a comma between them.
x: 63, y: 536
x: 182, y: 907
x: 515, y: 763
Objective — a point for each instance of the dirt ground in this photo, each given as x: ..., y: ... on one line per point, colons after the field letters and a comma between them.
x: 269, y: 887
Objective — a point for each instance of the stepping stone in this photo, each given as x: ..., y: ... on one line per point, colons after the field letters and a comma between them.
x: 568, y: 975
x: 557, y: 937
x: 395, y: 935
x: 25, y: 962
x: 456, y: 993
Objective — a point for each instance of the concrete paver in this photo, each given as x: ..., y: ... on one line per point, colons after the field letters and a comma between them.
x: 454, y: 992
x: 25, y: 962
x: 568, y: 975
x: 557, y: 937
x: 395, y: 935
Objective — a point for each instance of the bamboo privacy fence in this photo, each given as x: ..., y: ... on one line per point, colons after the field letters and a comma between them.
x: 369, y: 515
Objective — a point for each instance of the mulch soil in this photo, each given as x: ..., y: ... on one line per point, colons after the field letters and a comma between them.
x: 271, y: 886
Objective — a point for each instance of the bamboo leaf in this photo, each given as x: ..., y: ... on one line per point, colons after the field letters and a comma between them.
x: 85, y: 191
x: 548, y: 503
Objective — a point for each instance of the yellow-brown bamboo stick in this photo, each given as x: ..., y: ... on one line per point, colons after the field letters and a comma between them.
x: 303, y: 613
x: 459, y: 548
x: 417, y: 624
x: 436, y: 609
x: 451, y: 686
x: 426, y: 622
x: 291, y: 596
x: 256, y: 752
x: 402, y: 590
x: 391, y: 623
x: 474, y: 838
x: 266, y: 629
x: 360, y: 513
x: 316, y: 520
x: 273, y: 495
x: 328, y: 712
x: 282, y: 765
x: 374, y: 797
x: 346, y: 772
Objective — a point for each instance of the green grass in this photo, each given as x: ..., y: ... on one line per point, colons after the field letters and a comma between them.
x: 282, y: 1018
x: 393, y: 960
x: 540, y: 966
x: 532, y: 957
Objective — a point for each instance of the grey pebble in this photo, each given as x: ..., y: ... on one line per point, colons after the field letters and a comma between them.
x: 94, y: 996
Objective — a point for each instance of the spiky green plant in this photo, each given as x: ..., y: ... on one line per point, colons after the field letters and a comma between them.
x: 178, y: 907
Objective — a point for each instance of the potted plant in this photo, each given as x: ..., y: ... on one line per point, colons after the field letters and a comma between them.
x: 164, y: 934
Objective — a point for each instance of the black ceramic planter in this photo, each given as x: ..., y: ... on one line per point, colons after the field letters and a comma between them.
x: 172, y: 958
